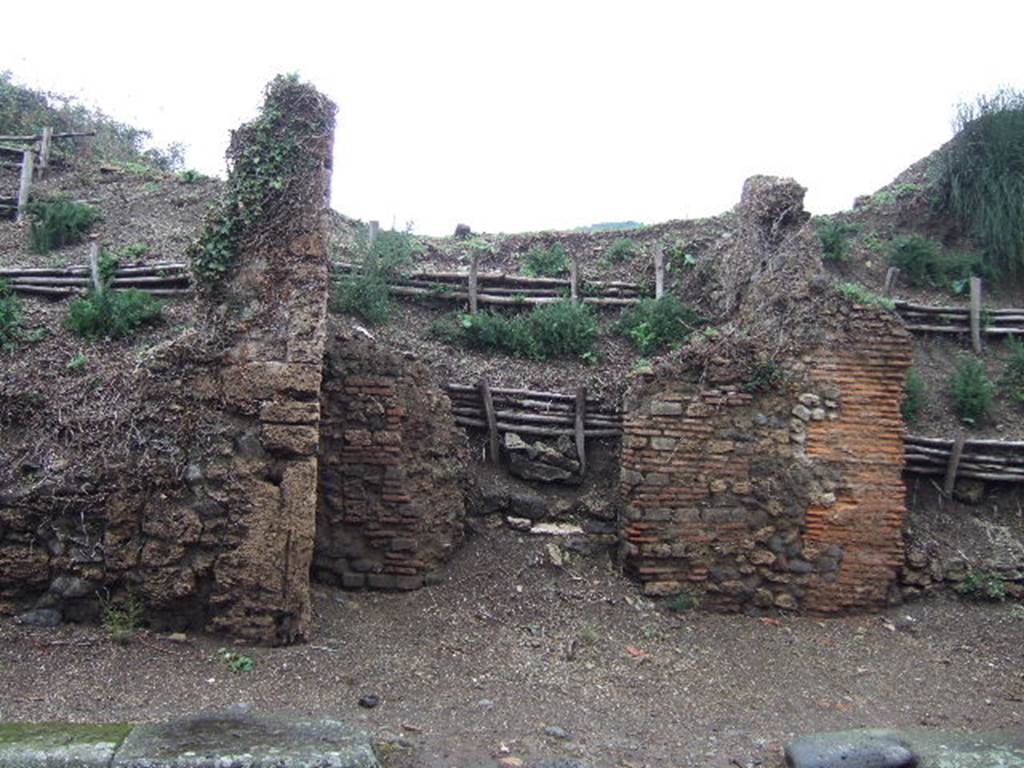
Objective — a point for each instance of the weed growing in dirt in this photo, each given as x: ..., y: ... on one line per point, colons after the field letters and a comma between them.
x: 915, y: 395
x: 365, y: 292
x: 133, y: 251
x: 236, y: 662
x: 834, y: 235
x: 623, y: 249
x: 922, y: 262
x: 110, y: 314
x: 560, y: 329
x: 971, y: 389
x: 1013, y: 374
x: 78, y: 362
x: 687, y: 600
x: 10, y: 317
x: 675, y: 252
x: 190, y: 176
x: 58, y: 222
x: 979, y: 179
x: 764, y: 376
x: 121, y: 622
x: 655, y: 325
x: 861, y: 295
x: 984, y: 585
x: 546, y: 262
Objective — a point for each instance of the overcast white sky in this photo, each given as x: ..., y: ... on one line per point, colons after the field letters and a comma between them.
x: 531, y: 115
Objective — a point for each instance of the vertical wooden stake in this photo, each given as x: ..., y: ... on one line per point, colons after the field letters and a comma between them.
x: 953, y: 465
x: 473, y: 265
x: 44, y: 150
x: 574, y: 280
x: 890, y: 280
x: 374, y: 229
x: 25, y: 184
x: 581, y: 413
x: 976, y: 314
x: 94, y: 266
x: 659, y: 272
x: 492, y: 420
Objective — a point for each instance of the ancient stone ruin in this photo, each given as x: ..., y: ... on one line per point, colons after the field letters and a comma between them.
x: 268, y: 444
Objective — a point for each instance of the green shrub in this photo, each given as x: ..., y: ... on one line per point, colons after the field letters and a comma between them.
x: 656, y: 324
x: 1013, y: 373
x: 861, y: 295
x: 623, y: 249
x: 984, y: 585
x: 121, y: 622
x: 980, y: 176
x: 112, y: 314
x: 971, y: 389
x: 10, y: 316
x: 764, y: 377
x: 914, y: 395
x: 558, y: 329
x: 546, y: 262
x: 365, y: 292
x: 922, y: 262
x: 688, y: 599
x: 190, y: 176
x: 833, y: 235
x: 59, y: 222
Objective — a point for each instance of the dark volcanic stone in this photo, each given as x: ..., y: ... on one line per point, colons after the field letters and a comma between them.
x: 41, y: 617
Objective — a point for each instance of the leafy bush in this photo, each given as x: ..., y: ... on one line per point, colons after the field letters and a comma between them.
x: 984, y: 585
x: 833, y: 235
x: 656, y: 324
x: 121, y: 622
x: 922, y: 262
x: 764, y: 376
x: 549, y: 330
x: 112, y: 314
x: 365, y: 293
x: 59, y: 222
x: 971, y: 389
x: 1013, y: 374
x: 10, y: 316
x: 623, y: 249
x: 914, y: 395
x: 190, y: 176
x: 546, y: 262
x: 980, y: 176
x: 861, y: 295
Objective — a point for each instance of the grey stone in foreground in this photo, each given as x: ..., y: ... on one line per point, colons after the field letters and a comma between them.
x: 913, y: 748
x: 49, y: 745
x: 246, y: 741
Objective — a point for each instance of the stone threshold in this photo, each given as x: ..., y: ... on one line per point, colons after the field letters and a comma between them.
x: 210, y: 740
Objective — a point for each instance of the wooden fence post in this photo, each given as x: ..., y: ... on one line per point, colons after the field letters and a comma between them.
x: 953, y: 465
x: 374, y: 229
x: 492, y: 420
x: 44, y: 150
x: 25, y: 184
x: 890, y: 280
x: 976, y: 314
x: 474, y: 265
x: 659, y: 272
x: 581, y: 414
x: 94, y: 266
x: 574, y: 280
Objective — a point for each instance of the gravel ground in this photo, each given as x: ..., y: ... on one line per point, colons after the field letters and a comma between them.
x: 474, y: 670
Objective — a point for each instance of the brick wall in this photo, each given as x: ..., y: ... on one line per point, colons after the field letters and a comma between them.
x: 790, y: 498
x: 391, y: 498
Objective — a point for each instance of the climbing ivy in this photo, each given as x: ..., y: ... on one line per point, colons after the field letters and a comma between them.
x: 265, y: 156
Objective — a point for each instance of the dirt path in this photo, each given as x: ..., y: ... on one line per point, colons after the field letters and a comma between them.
x: 478, y: 667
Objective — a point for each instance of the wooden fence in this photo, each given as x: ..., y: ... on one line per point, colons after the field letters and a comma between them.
x: 160, y: 279
x: 33, y: 153
x: 501, y: 288
x: 994, y: 460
